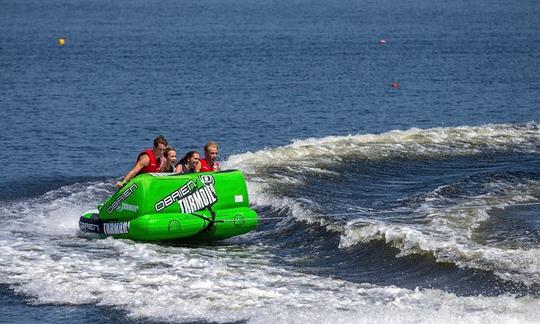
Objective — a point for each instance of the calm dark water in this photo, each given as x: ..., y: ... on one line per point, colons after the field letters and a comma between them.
x: 417, y: 204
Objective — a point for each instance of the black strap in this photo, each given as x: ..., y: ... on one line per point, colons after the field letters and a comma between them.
x: 211, y: 221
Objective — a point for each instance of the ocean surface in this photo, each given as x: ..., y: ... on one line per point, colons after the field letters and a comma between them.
x: 417, y: 204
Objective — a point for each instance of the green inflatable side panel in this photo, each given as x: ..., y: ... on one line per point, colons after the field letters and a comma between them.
x: 160, y: 206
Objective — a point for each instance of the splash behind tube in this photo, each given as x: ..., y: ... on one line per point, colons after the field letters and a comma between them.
x: 161, y: 206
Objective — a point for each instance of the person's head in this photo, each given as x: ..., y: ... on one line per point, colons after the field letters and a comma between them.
x: 170, y: 154
x: 211, y: 151
x: 191, y: 159
x: 160, y: 143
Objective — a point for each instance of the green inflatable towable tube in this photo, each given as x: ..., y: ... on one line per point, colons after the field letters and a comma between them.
x: 168, y: 206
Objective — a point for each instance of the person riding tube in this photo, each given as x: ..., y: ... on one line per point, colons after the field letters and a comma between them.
x: 148, y: 161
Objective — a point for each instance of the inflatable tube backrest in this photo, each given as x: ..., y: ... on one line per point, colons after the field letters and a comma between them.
x: 155, y: 193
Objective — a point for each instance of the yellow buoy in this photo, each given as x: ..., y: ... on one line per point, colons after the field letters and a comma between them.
x: 61, y: 41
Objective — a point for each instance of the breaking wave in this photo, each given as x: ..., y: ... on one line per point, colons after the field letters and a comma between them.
x: 44, y: 257
x: 49, y: 262
x: 439, y: 224
x: 450, y: 233
x: 314, y: 154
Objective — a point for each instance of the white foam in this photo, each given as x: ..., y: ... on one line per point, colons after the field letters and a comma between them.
x: 311, y: 155
x: 447, y: 233
x: 56, y: 212
x: 42, y: 256
x: 181, y: 284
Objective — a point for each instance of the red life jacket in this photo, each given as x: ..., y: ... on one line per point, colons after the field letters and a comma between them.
x: 205, y: 167
x: 154, y: 164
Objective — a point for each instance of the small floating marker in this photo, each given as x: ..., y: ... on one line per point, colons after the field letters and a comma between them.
x: 382, y: 41
x: 394, y: 85
x: 61, y: 41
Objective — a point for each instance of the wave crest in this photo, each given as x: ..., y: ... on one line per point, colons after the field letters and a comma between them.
x: 414, y: 143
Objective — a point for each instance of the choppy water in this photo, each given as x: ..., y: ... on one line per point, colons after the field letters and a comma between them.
x: 417, y: 204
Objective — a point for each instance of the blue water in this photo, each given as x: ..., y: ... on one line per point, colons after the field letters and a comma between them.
x: 379, y: 202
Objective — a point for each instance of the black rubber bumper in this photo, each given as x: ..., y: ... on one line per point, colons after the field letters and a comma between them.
x: 92, y: 224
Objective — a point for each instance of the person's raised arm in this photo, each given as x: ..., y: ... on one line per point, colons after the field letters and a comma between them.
x: 179, y: 168
x: 143, y: 161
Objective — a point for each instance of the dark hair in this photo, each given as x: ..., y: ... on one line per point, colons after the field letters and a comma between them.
x: 160, y: 140
x: 167, y: 150
x: 186, y: 157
